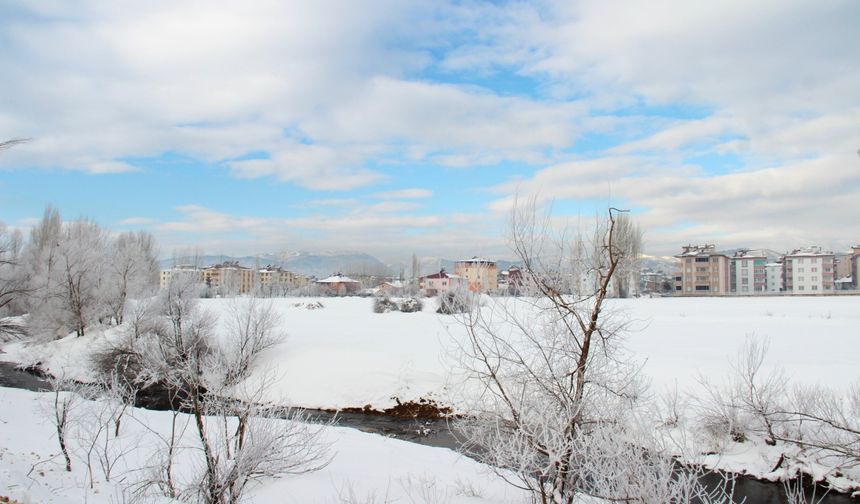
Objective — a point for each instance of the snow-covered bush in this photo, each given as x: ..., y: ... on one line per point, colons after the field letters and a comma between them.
x: 411, y: 305
x: 454, y: 302
x: 384, y: 305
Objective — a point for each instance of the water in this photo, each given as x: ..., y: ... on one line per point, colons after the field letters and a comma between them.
x: 438, y: 433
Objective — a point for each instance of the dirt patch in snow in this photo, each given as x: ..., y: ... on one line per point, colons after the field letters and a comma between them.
x: 422, y: 408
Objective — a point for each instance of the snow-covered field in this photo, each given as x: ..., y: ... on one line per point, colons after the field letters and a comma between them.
x: 364, y: 467
x: 344, y: 355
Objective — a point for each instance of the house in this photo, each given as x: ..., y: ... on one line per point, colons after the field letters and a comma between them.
x: 441, y: 283
x: 338, y: 285
x: 704, y: 271
x: 391, y: 288
x: 480, y: 274
x: 511, y: 281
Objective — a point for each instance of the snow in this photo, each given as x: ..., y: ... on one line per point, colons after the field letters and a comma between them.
x: 344, y: 355
x: 362, y: 465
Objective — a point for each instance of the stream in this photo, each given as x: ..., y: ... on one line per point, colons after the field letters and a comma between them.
x: 437, y: 433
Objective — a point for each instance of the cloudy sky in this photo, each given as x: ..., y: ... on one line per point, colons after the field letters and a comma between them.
x: 392, y: 127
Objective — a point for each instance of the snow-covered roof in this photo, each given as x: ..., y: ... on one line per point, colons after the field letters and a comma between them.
x: 442, y: 274
x: 337, y: 279
x: 477, y: 259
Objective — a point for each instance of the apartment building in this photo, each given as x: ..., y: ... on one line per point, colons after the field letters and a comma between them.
x: 277, y: 281
x: 228, y: 278
x: 748, y: 272
x: 809, y: 271
x: 704, y: 271
x: 184, y: 269
x: 442, y: 283
x: 480, y: 274
x: 773, y: 275
x: 855, y: 265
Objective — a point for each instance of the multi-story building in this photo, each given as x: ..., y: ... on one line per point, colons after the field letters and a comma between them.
x: 228, y: 278
x: 773, y: 275
x: 481, y: 274
x: 184, y: 269
x: 276, y: 281
x: 809, y: 271
x: 748, y: 274
x: 704, y: 271
x: 855, y: 265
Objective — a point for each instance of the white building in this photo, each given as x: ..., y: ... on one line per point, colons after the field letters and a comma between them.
x: 773, y: 277
x: 810, y: 271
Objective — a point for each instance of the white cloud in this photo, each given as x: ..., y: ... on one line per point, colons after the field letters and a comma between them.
x: 220, y: 80
x: 413, y: 193
x: 809, y: 201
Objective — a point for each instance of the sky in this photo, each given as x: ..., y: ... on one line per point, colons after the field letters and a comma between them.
x: 395, y: 127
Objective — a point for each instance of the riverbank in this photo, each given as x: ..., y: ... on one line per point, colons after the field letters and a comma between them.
x: 345, y: 357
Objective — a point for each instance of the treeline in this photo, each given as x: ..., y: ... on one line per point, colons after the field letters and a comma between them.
x: 71, y: 275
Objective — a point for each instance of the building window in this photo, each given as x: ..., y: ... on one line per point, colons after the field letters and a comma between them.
x: 800, y: 287
x: 702, y: 287
x: 814, y: 287
x: 701, y: 259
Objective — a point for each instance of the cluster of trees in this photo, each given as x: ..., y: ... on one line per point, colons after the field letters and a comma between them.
x: 71, y: 275
x: 223, y: 434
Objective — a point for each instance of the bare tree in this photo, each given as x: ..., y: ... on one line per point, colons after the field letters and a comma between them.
x: 239, y: 438
x: 821, y: 424
x: 13, y: 282
x: 61, y: 411
x: 131, y: 271
x: 628, y: 236
x: 66, y: 266
x: 6, y: 144
x: 555, y: 410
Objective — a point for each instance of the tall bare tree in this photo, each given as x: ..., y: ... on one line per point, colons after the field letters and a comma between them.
x: 13, y: 284
x: 131, y: 271
x: 555, y: 409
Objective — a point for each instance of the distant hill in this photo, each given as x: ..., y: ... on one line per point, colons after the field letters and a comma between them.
x: 666, y: 264
x: 428, y: 265
x: 318, y: 264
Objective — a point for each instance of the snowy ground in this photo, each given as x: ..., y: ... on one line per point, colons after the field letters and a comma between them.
x: 363, y: 468
x: 345, y: 355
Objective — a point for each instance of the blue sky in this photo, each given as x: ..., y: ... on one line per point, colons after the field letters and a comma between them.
x: 408, y: 127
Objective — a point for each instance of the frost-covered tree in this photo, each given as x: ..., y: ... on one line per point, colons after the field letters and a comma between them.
x: 628, y: 236
x: 13, y: 285
x: 205, y: 372
x: 66, y: 264
x: 130, y: 272
x: 556, y: 408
